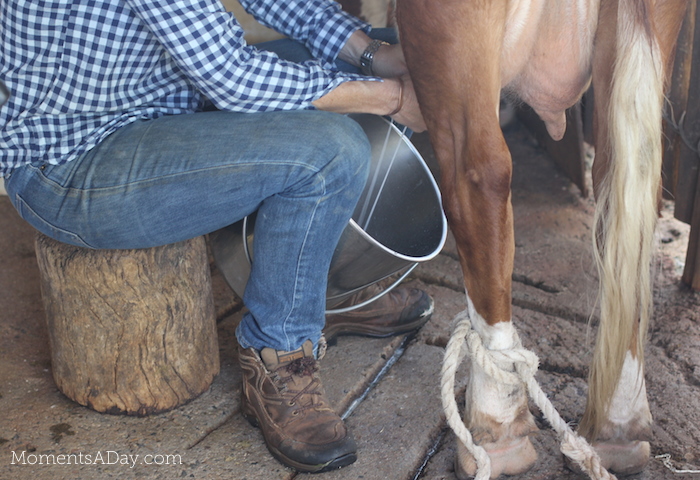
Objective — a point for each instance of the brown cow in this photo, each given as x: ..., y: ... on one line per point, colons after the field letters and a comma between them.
x: 462, y: 54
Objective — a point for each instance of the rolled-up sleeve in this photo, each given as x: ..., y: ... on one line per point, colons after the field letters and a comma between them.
x: 320, y: 24
x: 207, y: 44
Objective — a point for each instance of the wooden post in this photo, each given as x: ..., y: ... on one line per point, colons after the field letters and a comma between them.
x: 675, y: 182
x: 131, y: 331
x: 687, y: 208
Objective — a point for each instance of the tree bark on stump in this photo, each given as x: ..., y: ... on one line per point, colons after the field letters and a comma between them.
x: 131, y: 331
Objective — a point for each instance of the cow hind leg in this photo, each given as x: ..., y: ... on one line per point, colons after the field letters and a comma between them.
x: 453, y: 48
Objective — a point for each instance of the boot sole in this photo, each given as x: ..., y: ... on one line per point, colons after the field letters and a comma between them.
x: 334, y: 464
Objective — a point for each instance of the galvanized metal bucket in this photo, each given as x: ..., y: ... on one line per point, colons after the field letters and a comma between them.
x: 397, y: 224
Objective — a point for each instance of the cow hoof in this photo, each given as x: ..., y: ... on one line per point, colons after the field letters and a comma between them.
x: 620, y: 458
x: 513, y: 458
x: 623, y: 458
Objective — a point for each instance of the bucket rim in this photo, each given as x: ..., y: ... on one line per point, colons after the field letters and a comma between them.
x: 436, y: 189
x: 408, y: 258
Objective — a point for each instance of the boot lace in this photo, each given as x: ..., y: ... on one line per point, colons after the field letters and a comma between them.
x: 301, y: 367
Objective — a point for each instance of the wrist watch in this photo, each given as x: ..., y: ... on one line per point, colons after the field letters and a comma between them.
x: 368, y: 56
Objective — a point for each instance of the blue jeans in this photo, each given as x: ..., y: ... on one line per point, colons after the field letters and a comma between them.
x: 177, y: 177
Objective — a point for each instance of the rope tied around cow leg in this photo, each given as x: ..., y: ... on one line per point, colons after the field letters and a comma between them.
x: 512, y: 366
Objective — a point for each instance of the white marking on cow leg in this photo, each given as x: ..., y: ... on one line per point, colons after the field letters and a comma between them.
x: 621, y: 443
x: 629, y: 403
x: 499, y: 364
x: 496, y: 413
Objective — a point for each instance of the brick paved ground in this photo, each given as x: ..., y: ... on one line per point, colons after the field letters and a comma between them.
x: 399, y: 426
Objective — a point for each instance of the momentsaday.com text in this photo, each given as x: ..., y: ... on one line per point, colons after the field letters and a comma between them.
x: 109, y: 457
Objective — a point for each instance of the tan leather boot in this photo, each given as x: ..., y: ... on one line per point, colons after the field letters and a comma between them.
x: 282, y: 394
x: 401, y: 310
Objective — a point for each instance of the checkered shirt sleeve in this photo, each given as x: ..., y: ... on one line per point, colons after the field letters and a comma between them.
x: 316, y: 23
x: 78, y: 70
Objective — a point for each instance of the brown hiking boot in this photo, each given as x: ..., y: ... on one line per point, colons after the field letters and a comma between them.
x: 401, y: 310
x: 282, y: 394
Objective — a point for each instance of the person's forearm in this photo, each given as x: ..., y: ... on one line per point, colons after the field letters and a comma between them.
x: 379, y: 98
x: 353, y: 48
x: 393, y: 97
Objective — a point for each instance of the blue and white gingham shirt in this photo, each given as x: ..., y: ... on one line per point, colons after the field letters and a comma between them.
x: 78, y: 70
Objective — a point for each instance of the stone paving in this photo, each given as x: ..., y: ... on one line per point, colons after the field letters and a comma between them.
x: 398, y: 424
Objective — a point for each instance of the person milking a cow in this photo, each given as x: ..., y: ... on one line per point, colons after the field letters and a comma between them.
x: 134, y: 123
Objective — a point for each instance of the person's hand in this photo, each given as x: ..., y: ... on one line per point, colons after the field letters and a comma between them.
x: 407, y: 110
x: 389, y: 62
x: 394, y: 97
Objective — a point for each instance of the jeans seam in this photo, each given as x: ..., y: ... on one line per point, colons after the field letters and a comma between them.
x: 298, y: 265
x: 174, y: 175
x: 24, y: 205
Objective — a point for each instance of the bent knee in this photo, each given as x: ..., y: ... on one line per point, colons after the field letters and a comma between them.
x: 346, y: 150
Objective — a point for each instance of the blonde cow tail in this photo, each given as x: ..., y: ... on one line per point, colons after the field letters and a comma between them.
x: 627, y: 207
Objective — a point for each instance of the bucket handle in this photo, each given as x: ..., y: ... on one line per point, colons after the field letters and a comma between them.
x: 379, y: 295
x: 245, y: 240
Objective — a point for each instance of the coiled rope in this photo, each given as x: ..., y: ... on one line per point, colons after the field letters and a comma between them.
x: 512, y: 366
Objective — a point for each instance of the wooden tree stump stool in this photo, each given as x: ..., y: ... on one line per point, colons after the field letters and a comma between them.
x: 130, y: 331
